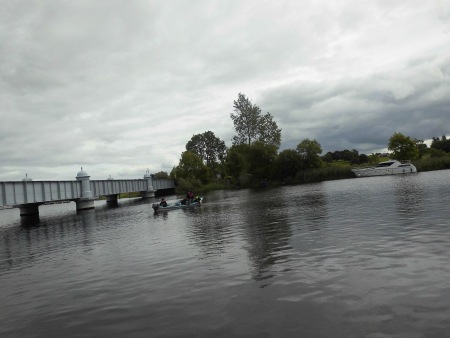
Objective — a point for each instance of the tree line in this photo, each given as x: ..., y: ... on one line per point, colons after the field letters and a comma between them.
x: 254, y: 157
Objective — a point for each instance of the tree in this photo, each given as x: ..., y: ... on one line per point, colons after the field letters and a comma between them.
x: 268, y: 131
x: 374, y: 158
x: 261, y: 158
x: 288, y: 164
x: 251, y: 126
x: 236, y: 162
x: 208, y: 147
x: 161, y: 175
x: 191, y: 167
x: 441, y: 144
x: 328, y: 157
x: 421, y: 147
x: 363, y: 158
x: 403, y: 147
x: 309, y: 151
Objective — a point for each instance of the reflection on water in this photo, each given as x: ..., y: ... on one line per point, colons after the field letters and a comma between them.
x: 350, y: 258
x: 409, y: 193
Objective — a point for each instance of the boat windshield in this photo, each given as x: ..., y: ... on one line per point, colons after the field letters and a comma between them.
x: 385, y: 164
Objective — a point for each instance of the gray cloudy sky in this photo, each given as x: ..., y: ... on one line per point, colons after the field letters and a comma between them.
x: 121, y: 86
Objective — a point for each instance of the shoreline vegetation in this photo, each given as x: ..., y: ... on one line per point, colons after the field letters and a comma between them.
x: 330, y: 171
x: 342, y: 170
x: 255, y: 160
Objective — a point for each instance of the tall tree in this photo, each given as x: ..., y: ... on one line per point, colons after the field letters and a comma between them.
x: 309, y: 151
x: 251, y: 126
x: 236, y: 160
x: 403, y: 147
x: 208, y: 147
x: 161, y: 175
x: 288, y: 164
x: 268, y: 131
x: 261, y: 160
x: 421, y: 147
x: 441, y: 144
x: 191, y: 167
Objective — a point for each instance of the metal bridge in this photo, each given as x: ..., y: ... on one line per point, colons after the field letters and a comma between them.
x: 28, y: 194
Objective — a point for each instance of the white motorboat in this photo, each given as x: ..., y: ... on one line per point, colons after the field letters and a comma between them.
x: 391, y: 167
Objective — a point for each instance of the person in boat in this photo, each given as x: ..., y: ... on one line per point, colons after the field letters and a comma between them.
x: 190, y: 196
x: 163, y: 203
x: 197, y: 199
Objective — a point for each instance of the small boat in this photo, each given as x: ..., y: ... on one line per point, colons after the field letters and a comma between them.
x: 391, y: 167
x: 178, y: 204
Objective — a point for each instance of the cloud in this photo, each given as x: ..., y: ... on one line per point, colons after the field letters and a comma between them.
x: 118, y: 87
x: 363, y: 113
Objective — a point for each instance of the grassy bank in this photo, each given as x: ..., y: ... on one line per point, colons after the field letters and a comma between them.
x: 432, y: 163
x: 324, y: 174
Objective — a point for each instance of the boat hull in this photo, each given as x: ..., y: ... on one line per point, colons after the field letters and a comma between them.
x: 391, y: 167
x: 373, y: 172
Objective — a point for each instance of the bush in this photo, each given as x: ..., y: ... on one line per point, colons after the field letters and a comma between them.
x: 188, y: 184
x: 433, y: 163
x: 324, y: 174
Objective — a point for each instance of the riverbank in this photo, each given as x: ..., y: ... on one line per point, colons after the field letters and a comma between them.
x: 329, y: 171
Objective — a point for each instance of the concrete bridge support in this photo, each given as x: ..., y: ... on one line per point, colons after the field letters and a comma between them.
x: 29, y: 209
x: 111, y: 199
x: 87, y: 198
x: 150, y: 192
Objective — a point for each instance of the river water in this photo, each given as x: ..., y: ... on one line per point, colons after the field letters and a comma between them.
x: 364, y: 257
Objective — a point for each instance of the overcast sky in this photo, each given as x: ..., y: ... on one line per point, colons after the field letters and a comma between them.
x: 117, y: 87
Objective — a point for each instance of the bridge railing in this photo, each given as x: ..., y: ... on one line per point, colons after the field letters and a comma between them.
x: 159, y: 184
x: 111, y: 187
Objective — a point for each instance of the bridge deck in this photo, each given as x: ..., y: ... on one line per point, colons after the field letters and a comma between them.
x: 14, y: 193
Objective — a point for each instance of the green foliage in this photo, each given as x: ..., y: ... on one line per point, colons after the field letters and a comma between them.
x: 433, y: 163
x: 191, y: 167
x: 403, y: 147
x: 433, y: 152
x: 288, y: 163
x: 441, y: 144
x: 374, y: 159
x: 421, y: 147
x: 251, y: 126
x: 161, y: 175
x: 309, y: 151
x: 188, y: 184
x: 245, y: 120
x: 208, y: 147
x: 268, y: 131
x: 323, y: 174
x: 261, y: 158
x: 339, y: 164
x: 328, y: 157
x: 236, y: 160
x: 363, y: 158
x: 342, y: 155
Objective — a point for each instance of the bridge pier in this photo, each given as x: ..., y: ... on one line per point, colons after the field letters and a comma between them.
x: 150, y: 192
x: 87, y: 199
x: 31, y: 209
x: 111, y: 199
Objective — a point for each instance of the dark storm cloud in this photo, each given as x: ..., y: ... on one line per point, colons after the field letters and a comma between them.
x: 364, y: 113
